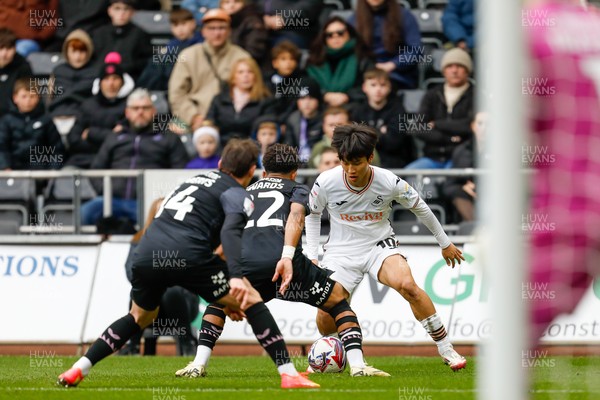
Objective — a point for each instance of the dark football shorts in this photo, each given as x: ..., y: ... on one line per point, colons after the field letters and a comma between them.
x: 209, y: 280
x: 310, y: 284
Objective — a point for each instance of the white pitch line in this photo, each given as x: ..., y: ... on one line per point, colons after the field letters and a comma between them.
x: 177, y: 390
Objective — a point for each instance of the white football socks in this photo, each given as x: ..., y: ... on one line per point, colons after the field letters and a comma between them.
x: 287, y: 369
x: 355, y: 358
x: 202, y: 355
x: 434, y: 326
x: 84, y: 364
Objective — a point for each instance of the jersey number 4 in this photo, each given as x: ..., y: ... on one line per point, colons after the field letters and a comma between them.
x: 265, y: 219
x: 181, y: 202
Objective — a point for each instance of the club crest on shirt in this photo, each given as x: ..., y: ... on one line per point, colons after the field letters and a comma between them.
x: 378, y: 201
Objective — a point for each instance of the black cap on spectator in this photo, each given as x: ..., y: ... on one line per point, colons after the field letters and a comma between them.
x: 130, y: 3
x: 310, y: 87
x: 111, y: 69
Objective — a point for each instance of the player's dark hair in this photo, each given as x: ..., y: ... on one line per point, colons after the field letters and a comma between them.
x: 281, y: 158
x: 239, y: 156
x: 354, y: 141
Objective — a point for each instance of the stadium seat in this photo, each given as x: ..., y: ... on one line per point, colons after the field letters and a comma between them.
x: 466, y: 228
x: 159, y: 99
x: 155, y: 23
x: 9, y: 227
x: 42, y: 64
x: 16, y: 195
x: 344, y: 14
x: 62, y: 189
x: 408, y: 228
x: 430, y: 21
x: 411, y: 99
x: 337, y: 4
x: 437, y: 55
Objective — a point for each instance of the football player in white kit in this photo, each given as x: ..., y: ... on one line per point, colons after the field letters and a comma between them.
x: 358, y: 197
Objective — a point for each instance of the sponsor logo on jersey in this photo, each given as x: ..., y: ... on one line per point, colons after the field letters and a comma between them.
x: 366, y: 216
x: 378, y: 201
x: 340, y: 203
x: 219, y: 278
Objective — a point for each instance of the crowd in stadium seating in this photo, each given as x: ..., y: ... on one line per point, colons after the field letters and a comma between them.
x: 275, y: 70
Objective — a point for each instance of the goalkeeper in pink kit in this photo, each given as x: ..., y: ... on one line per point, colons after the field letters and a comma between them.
x: 565, y: 53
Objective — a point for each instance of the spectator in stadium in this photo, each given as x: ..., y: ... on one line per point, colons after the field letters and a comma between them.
x: 12, y: 67
x: 287, y: 79
x: 462, y: 190
x: 71, y: 82
x: 199, y: 8
x: 332, y: 117
x: 247, y: 28
x: 246, y: 98
x: 293, y: 20
x: 338, y: 59
x: 101, y: 116
x: 28, y: 138
x: 185, y: 34
x: 393, y: 34
x: 447, y: 111
x: 33, y: 22
x: 383, y: 111
x: 201, y: 71
x: 459, y: 23
x: 303, y: 126
x: 206, y: 142
x: 266, y: 132
x: 135, y: 146
x: 178, y: 305
x: 122, y: 36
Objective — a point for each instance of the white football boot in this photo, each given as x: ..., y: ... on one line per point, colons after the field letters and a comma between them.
x: 192, y: 371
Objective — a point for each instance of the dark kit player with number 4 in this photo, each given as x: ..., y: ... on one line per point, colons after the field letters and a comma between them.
x: 194, y: 219
x: 281, y: 203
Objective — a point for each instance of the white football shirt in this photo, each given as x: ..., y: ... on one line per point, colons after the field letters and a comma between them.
x: 359, y: 218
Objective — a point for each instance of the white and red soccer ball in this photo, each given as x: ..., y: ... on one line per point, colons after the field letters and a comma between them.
x: 327, y: 355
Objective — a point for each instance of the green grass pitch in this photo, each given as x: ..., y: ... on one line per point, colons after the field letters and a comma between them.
x: 250, y: 378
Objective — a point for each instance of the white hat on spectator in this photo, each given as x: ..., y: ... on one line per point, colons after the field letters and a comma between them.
x: 205, y: 130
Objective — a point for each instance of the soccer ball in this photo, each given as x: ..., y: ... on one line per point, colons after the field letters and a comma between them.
x: 327, y: 355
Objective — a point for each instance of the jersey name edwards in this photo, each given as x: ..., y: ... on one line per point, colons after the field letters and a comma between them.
x: 365, y: 216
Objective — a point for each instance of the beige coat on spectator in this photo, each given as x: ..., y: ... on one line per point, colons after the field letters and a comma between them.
x: 193, y: 83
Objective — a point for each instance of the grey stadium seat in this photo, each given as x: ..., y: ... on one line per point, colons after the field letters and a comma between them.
x: 153, y: 22
x: 411, y: 99
x: 408, y: 228
x: 344, y: 14
x: 430, y: 21
x: 160, y: 101
x: 44, y: 63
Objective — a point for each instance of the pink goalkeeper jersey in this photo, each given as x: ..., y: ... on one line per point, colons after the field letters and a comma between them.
x: 564, y: 219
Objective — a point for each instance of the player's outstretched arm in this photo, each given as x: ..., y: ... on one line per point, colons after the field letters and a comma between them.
x: 293, y: 232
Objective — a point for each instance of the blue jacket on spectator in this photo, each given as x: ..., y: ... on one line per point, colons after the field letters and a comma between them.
x: 199, y: 8
x: 459, y: 22
x: 407, y: 70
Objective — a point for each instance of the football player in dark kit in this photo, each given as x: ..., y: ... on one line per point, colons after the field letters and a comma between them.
x: 280, y: 202
x: 203, y: 212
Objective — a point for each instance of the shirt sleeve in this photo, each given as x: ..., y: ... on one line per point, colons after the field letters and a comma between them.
x: 408, y: 197
x: 300, y: 196
x: 238, y: 208
x: 317, y: 203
